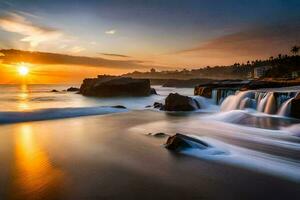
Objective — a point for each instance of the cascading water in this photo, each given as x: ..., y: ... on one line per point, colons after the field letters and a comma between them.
x: 263, y: 101
x: 234, y: 102
x: 285, y: 108
x: 247, y: 103
x: 271, y: 105
x: 269, y: 102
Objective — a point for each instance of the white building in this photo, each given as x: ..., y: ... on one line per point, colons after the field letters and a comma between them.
x: 295, y: 74
x: 260, y: 71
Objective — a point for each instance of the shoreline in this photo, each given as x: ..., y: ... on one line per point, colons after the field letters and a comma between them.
x: 110, y: 156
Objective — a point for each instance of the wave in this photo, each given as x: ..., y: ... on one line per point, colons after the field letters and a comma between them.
x: 293, y: 130
x: 55, y: 113
x: 232, y: 116
x: 246, y: 158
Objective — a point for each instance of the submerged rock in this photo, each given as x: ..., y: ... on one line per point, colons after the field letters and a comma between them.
x: 179, y: 141
x: 158, y: 105
x: 73, y: 89
x: 159, y: 135
x: 119, y: 106
x: 177, y: 102
x: 54, y: 90
x: 109, y: 86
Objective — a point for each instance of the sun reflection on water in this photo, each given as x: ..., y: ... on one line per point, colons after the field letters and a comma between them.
x: 35, y: 176
x: 23, y: 98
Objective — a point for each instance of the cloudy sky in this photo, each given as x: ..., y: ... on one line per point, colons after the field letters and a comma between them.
x: 117, y: 36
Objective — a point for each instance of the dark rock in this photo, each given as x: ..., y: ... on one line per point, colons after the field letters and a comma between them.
x: 119, y: 106
x: 177, y: 102
x: 54, y: 90
x: 73, y: 89
x: 149, y: 106
x: 203, y: 91
x: 179, y: 141
x: 108, y: 86
x: 157, y: 105
x: 295, y: 107
x: 163, y: 107
x: 159, y: 135
x: 152, y: 91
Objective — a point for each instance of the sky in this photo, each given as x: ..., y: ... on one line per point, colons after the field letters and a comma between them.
x: 85, y: 38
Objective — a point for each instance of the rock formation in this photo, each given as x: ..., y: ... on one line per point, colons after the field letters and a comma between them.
x: 109, y: 86
x: 177, y: 102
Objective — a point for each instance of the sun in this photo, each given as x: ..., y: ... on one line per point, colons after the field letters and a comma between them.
x: 23, y: 70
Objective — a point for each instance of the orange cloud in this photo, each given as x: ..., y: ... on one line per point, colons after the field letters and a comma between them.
x: 255, y: 43
x: 12, y: 56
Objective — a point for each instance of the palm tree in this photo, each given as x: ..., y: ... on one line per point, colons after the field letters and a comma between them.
x: 279, y: 56
x: 295, y: 49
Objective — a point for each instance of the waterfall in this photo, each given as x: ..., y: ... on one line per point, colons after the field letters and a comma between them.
x: 247, y: 103
x: 233, y: 102
x: 271, y: 104
x: 285, y: 109
x: 218, y: 95
x: 214, y: 96
x: 259, y: 96
x: 263, y: 101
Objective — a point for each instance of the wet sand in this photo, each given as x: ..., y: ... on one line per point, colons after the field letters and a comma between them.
x: 110, y: 157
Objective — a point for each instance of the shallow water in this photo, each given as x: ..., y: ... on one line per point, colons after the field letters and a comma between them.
x: 112, y: 155
x: 33, y: 97
x: 36, y: 102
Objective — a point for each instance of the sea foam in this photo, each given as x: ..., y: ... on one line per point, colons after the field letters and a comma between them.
x: 55, y: 113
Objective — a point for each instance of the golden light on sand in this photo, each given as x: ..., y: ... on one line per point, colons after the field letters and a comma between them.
x: 23, y: 70
x: 35, y: 175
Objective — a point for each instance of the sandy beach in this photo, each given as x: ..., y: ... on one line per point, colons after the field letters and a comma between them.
x: 112, y: 157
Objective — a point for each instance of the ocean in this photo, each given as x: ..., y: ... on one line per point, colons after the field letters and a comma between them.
x: 62, y: 145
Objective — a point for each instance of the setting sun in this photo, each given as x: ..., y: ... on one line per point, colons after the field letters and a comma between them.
x: 23, y: 70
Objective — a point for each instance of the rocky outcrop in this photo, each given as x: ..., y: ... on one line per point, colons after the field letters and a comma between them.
x: 206, y: 90
x: 295, y: 107
x: 54, y: 90
x: 73, y: 89
x: 203, y: 91
x: 177, y: 102
x: 179, y: 141
x: 109, y: 86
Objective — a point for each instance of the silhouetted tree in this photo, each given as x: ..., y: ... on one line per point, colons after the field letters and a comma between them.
x: 152, y: 70
x: 279, y: 56
x: 295, y: 49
